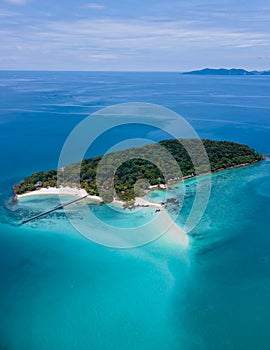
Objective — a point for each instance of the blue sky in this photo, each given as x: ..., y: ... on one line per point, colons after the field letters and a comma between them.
x: 149, y: 35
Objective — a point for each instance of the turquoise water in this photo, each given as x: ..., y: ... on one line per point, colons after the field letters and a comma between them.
x: 61, y: 291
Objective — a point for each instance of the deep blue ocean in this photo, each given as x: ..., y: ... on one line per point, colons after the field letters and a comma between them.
x: 61, y: 291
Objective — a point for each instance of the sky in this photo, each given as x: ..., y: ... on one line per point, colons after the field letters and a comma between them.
x: 125, y: 35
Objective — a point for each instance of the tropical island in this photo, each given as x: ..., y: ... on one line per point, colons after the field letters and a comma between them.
x: 223, y: 71
x: 139, y: 169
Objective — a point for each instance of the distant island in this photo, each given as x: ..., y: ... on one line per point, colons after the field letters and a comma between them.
x: 223, y: 71
x: 138, y: 172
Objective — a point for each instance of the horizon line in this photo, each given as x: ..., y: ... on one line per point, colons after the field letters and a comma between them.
x: 125, y: 71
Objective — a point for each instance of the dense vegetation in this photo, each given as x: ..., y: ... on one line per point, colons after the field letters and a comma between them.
x: 130, y: 172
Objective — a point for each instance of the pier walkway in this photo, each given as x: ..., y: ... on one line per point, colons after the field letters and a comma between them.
x: 60, y: 206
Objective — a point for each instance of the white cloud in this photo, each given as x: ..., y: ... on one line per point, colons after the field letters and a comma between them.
x: 104, y: 56
x: 267, y: 57
x: 17, y: 2
x: 4, y: 13
x: 129, y: 43
x: 145, y: 34
x: 94, y: 6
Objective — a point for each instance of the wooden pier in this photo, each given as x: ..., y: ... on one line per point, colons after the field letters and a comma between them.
x: 60, y: 206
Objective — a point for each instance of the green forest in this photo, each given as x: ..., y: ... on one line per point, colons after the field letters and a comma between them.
x: 129, y: 173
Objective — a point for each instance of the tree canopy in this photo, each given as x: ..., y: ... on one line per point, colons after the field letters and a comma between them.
x: 127, y: 173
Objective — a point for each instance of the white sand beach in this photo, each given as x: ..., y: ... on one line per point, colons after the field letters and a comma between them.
x: 79, y: 192
x: 139, y: 202
x: 66, y: 191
